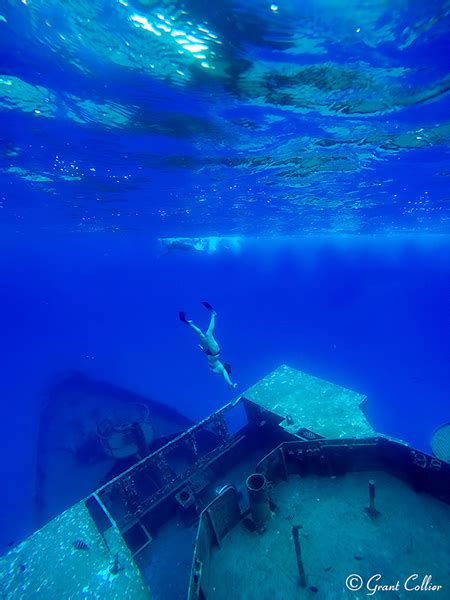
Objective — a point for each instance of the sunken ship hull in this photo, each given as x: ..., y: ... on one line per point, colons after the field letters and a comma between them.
x: 294, y: 495
x: 89, y: 431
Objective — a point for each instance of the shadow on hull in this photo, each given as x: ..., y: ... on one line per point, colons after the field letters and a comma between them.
x: 90, y: 431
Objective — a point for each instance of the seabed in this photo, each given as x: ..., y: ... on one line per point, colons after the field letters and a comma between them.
x: 286, y: 492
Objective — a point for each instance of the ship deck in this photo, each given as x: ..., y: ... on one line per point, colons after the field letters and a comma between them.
x: 338, y: 538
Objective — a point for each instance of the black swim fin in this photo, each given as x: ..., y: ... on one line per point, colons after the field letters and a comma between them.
x: 207, y: 305
x: 182, y: 316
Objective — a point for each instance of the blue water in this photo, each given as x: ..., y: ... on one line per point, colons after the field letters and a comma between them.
x: 306, y: 127
x: 370, y: 315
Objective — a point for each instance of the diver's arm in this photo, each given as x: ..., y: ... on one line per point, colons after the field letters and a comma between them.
x: 226, y: 376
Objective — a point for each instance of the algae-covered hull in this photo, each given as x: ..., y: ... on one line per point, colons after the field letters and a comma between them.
x: 258, y: 502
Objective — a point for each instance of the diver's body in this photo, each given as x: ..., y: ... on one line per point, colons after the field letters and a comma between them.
x: 209, y: 345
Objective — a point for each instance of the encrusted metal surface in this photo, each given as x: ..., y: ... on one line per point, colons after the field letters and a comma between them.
x: 68, y: 558
x: 308, y: 402
x: 440, y: 442
x: 408, y: 541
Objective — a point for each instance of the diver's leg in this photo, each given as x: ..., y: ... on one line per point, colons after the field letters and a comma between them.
x: 212, y: 324
x: 197, y: 330
x: 212, y: 343
x: 189, y: 322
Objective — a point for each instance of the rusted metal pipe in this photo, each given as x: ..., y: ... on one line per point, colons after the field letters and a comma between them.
x: 298, y: 553
x: 258, y: 497
x: 371, y: 510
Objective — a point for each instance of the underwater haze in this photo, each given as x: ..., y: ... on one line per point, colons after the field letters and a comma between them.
x: 287, y: 162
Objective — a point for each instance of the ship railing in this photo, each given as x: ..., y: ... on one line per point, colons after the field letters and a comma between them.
x: 126, y: 501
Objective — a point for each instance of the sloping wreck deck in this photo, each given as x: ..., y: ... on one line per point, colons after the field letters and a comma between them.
x: 283, y: 493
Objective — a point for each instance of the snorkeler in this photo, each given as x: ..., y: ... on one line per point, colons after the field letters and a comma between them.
x: 209, y: 345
